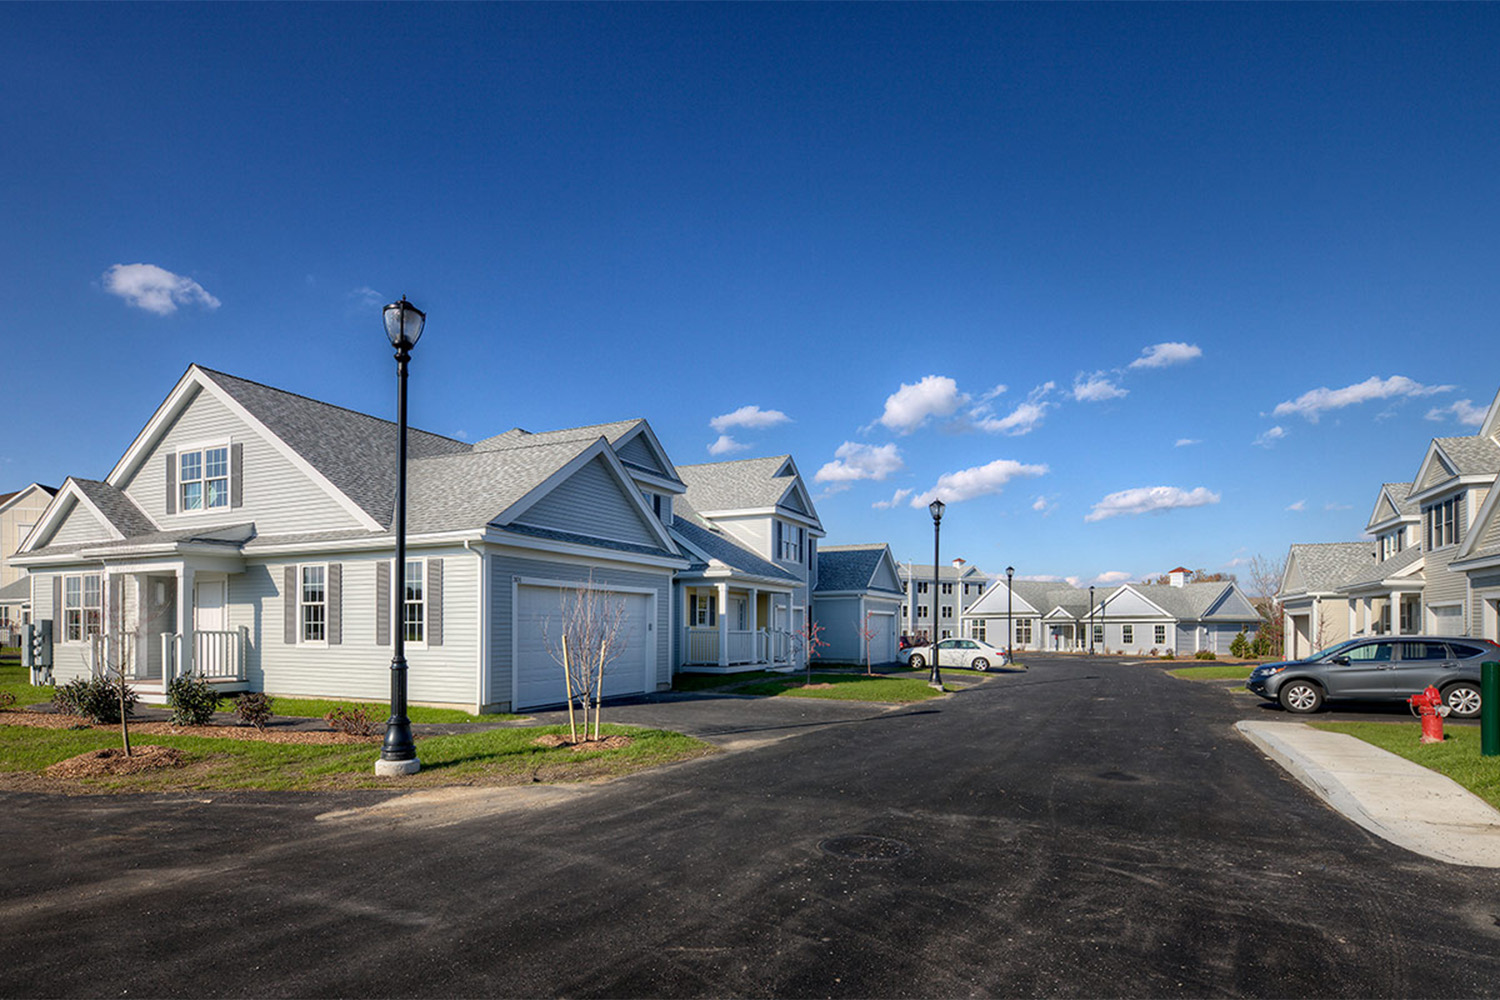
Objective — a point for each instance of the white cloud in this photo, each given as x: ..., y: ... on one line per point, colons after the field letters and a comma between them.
x: 1300, y: 505
x: 854, y: 461
x: 1185, y: 442
x: 894, y: 501
x: 367, y: 297
x: 1170, y: 353
x: 726, y: 445
x: 1149, y: 499
x: 981, y: 480
x: 155, y: 289
x: 1096, y: 388
x: 1024, y: 419
x: 1463, y: 410
x: 1270, y: 437
x: 749, y: 416
x: 1040, y: 504
x: 1111, y: 577
x: 999, y: 390
x: 1314, y: 403
x: 1337, y: 506
x: 832, y: 490
x: 908, y: 407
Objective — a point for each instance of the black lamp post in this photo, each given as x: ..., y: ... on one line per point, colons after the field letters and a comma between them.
x: 1091, y: 621
x: 1010, y: 632
x: 398, y: 754
x: 936, y: 508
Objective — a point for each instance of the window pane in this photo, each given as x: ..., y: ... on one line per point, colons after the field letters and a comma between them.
x: 192, y: 465
x: 218, y: 493
x: 312, y: 584
x: 216, y: 463
x: 192, y: 496
x: 72, y: 592
x: 414, y: 580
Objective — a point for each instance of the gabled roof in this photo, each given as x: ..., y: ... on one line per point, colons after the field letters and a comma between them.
x: 452, y: 492
x: 1191, y: 601
x: 1392, y: 504
x: 6, y: 499
x: 992, y: 602
x: 707, y: 546
x: 1406, y: 564
x: 1454, y: 459
x: 1324, y: 567
x: 748, y: 484
x: 16, y: 592
x: 118, y: 509
x: 851, y: 567
x: 946, y: 573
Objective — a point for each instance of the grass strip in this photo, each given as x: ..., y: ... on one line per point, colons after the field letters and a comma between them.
x: 317, y: 708
x: 502, y: 756
x: 1227, y: 672
x: 1457, y: 756
x: 707, y: 682
x: 846, y: 687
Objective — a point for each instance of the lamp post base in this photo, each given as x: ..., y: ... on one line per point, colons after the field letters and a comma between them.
x: 397, y: 768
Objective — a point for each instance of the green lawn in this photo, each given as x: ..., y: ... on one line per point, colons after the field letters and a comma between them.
x: 13, y: 680
x: 845, y: 687
x: 1457, y: 756
x: 488, y: 757
x: 1227, y: 672
x: 707, y: 682
x: 317, y: 708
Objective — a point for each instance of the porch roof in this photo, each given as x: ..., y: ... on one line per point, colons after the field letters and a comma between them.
x: 16, y: 592
x: 699, y: 537
x: 1382, y: 572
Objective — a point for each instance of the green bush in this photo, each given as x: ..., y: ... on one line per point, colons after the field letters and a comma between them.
x: 1240, y: 647
x: 193, y: 701
x: 1205, y: 654
x: 1260, y: 645
x: 1167, y: 654
x: 253, y: 708
x: 354, y: 720
x: 6, y: 699
x: 96, y: 699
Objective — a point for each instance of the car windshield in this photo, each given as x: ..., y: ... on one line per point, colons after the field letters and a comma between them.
x: 1322, y: 653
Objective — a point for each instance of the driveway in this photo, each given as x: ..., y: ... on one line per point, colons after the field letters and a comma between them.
x: 1087, y: 828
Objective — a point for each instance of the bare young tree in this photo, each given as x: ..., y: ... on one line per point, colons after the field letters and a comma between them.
x: 591, y: 635
x: 124, y: 632
x: 809, y: 639
x: 1265, y: 582
x: 867, y: 631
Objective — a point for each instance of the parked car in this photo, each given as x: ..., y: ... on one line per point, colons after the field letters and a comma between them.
x: 969, y: 653
x: 1380, y: 668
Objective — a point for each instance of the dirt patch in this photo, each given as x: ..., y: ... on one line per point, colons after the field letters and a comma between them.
x: 603, y: 743
x: 44, y: 720
x: 112, y: 760
x: 816, y: 687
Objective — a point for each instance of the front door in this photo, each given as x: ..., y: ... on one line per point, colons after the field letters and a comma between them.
x: 208, y: 616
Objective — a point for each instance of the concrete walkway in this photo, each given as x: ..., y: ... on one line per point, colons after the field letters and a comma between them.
x: 1393, y: 798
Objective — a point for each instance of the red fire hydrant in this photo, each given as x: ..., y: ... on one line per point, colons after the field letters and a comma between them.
x: 1429, y: 705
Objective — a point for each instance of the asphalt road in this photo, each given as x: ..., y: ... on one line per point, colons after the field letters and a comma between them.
x: 1087, y: 829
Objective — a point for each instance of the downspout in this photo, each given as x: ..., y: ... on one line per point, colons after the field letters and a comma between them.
x: 482, y: 681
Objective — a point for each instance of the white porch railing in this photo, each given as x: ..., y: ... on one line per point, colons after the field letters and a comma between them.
x: 216, y: 655
x: 701, y: 647
x: 111, y: 651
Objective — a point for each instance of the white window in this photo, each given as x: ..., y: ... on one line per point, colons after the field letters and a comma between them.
x: 83, y: 610
x: 922, y: 610
x: 1098, y: 635
x: 203, y: 478
x: 977, y: 629
x: 791, y: 542
x: 947, y: 589
x: 946, y: 633
x: 1161, y: 635
x: 905, y: 612
x: 705, y: 610
x: 414, y: 604
x: 1127, y: 634
x: 947, y: 611
x: 1441, y: 526
x: 921, y: 586
x: 314, y: 604
x: 1023, y: 631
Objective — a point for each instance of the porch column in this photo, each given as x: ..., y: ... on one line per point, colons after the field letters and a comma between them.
x: 184, y: 663
x: 1395, y: 612
x: 754, y: 621
x: 723, y: 624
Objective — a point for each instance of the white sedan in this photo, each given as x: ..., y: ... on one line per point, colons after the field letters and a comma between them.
x: 969, y: 653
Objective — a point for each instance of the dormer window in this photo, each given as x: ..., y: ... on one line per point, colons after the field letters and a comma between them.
x: 203, y: 478
x: 1442, y: 524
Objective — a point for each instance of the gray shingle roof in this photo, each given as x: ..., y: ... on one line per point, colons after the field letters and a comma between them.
x: 1473, y: 455
x: 16, y: 591
x: 947, y: 572
x: 128, y: 519
x: 690, y: 526
x: 355, y: 451
x: 848, y: 567
x: 1190, y: 601
x: 611, y: 432
x: 1327, y: 566
x: 453, y: 492
x: 1398, y: 493
x: 747, y: 483
x: 1374, y: 572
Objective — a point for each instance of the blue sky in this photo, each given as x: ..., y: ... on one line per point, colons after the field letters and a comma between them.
x: 1163, y: 230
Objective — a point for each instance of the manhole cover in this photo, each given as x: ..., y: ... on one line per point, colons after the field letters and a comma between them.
x: 1118, y: 776
x: 864, y: 848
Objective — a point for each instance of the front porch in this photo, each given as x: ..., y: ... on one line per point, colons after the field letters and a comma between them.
x: 217, y: 657
x: 731, y: 630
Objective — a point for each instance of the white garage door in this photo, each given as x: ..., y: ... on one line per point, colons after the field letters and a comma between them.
x: 539, y: 614
x: 883, y: 642
x: 1448, y: 621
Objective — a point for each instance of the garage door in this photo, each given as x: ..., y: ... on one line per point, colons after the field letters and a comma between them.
x: 883, y: 642
x: 1448, y: 621
x: 539, y: 680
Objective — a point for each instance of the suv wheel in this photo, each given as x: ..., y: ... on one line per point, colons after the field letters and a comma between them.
x: 917, y: 661
x: 1462, y: 699
x: 1301, y: 697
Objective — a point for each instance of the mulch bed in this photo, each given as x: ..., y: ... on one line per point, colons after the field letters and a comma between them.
x: 603, y: 743
x: 112, y: 760
x: 45, y: 720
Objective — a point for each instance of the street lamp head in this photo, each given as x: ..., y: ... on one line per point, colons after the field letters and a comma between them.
x: 1010, y: 571
x: 403, y: 324
x: 936, y: 508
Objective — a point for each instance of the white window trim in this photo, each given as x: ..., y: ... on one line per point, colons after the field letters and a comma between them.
x: 1127, y: 634
x: 83, y: 608
x: 302, y: 639
x: 399, y: 600
x: 1161, y: 631
x: 203, y: 448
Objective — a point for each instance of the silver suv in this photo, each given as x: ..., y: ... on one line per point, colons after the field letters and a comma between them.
x: 1380, y: 668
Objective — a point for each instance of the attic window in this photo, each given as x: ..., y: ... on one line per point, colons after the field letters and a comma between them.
x: 203, y: 479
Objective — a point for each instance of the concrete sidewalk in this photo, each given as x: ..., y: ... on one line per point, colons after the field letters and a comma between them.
x: 1394, y: 798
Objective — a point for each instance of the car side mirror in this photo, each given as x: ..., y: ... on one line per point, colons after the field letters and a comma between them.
x: 1342, y: 661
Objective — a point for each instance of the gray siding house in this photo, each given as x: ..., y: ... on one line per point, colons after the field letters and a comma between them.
x: 857, y: 600
x: 246, y: 535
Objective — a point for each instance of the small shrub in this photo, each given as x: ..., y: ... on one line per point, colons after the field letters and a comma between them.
x: 1167, y: 654
x: 1153, y: 650
x: 1240, y: 647
x: 353, y: 720
x: 96, y: 699
x: 6, y: 699
x: 1260, y: 645
x: 1205, y: 654
x: 253, y: 708
x: 193, y: 701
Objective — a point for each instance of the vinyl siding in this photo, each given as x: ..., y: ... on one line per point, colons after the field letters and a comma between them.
x: 885, y: 577
x: 70, y: 660
x: 593, y: 503
x: 359, y: 667
x: 278, y: 497
x: 506, y: 567
x: 80, y: 525
x: 637, y: 452
x: 26, y: 510
x: 1128, y: 605
x: 841, y: 622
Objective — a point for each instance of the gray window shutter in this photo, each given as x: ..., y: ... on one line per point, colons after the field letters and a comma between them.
x: 335, y: 604
x: 775, y: 539
x: 237, y: 475
x: 171, y: 482
x: 57, y: 609
x: 382, y: 603
x: 289, y: 607
x: 434, y: 602
x: 116, y: 611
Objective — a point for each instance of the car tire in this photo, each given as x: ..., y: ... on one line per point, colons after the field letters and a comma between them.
x: 917, y: 661
x: 980, y: 663
x: 1300, y: 697
x: 1462, y: 699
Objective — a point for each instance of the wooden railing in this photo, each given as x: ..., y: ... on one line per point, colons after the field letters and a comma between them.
x: 701, y: 646
x: 217, y: 655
